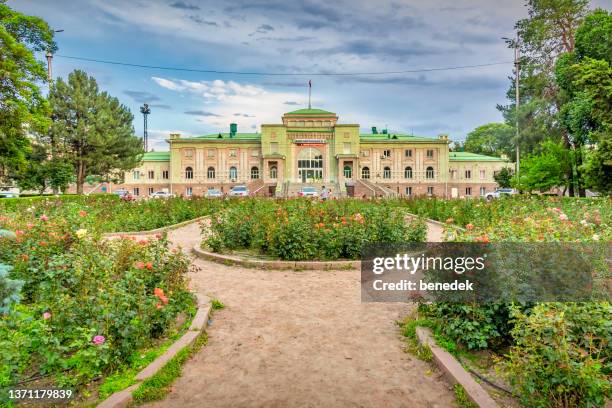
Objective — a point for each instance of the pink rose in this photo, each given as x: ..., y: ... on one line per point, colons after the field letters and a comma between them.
x: 139, y: 265
x: 47, y: 315
x: 44, y: 218
x: 97, y: 340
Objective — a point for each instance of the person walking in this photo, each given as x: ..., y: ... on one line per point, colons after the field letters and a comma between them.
x: 324, y: 193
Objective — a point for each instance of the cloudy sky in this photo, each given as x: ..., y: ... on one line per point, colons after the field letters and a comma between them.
x: 292, y: 37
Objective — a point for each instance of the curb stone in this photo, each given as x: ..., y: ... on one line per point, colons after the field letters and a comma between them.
x: 124, y: 397
x: 454, y: 371
x: 279, y: 265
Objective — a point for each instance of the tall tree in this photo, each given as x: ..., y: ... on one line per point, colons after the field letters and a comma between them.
x: 584, y: 77
x: 548, y: 32
x: 94, y: 129
x: 493, y: 139
x: 22, y: 107
x: 545, y: 170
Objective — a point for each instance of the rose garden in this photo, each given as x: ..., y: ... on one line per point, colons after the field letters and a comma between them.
x: 86, y: 312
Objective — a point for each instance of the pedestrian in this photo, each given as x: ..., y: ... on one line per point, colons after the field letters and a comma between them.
x: 324, y: 193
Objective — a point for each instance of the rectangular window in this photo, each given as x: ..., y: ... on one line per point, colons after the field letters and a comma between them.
x: 274, y: 147
x: 255, y: 153
x: 136, y: 191
x: 136, y: 175
x: 408, y: 153
x: 165, y: 174
x: 468, y: 174
x: 150, y: 190
x: 483, y: 191
x: 151, y: 174
x: 408, y: 191
x: 482, y: 174
x: 232, y: 153
x: 430, y: 191
x: 453, y: 174
x: 430, y: 154
x: 211, y: 153
x: 188, y: 191
x: 347, y: 148
x: 386, y: 153
x: 188, y: 152
x: 468, y: 191
x: 365, y: 153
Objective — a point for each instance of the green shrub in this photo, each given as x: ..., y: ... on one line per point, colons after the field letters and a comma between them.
x: 561, y: 356
x: 474, y: 326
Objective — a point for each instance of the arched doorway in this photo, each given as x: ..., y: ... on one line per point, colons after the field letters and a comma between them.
x: 310, y: 164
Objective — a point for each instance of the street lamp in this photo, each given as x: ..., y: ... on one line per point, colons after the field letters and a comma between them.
x: 145, y: 110
x: 516, y: 45
x: 50, y: 59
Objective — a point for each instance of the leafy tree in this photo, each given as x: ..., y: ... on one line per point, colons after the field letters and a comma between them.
x: 492, y: 139
x: 42, y: 172
x: 545, y: 170
x: 94, y: 127
x: 598, y: 168
x: 547, y: 32
x: 22, y: 107
x: 504, y: 177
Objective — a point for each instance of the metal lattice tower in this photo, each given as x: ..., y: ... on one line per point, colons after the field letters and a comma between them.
x: 145, y: 110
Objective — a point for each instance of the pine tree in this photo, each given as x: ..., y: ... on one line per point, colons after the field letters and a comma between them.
x: 92, y: 130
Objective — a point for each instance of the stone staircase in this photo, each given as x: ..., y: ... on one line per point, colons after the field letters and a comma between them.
x: 369, y: 189
x: 293, y: 189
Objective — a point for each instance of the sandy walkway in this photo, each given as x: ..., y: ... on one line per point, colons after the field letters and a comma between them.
x: 299, y: 339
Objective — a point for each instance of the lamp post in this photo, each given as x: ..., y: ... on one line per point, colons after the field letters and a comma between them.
x: 145, y: 110
x: 517, y: 102
x: 50, y: 60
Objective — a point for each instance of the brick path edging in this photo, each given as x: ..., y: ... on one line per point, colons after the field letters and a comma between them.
x: 124, y: 397
x: 157, y: 230
x: 258, y: 263
x: 455, y: 373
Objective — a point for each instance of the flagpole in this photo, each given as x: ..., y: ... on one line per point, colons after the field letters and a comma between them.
x: 309, y: 92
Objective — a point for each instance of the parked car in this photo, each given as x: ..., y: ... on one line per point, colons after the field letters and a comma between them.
x: 239, y: 191
x: 213, y: 193
x: 161, y: 194
x: 499, y: 193
x: 308, y: 192
x: 8, y: 194
x: 121, y: 192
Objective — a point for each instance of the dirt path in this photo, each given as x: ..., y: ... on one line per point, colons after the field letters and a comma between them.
x: 299, y: 339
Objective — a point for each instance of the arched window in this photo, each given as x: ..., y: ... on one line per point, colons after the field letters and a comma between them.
x: 273, y: 172
x: 233, y: 173
x: 210, y: 173
x: 254, y: 172
x: 429, y: 173
x: 188, y: 172
x: 348, y: 171
x: 387, y: 172
x: 365, y: 173
x: 408, y: 172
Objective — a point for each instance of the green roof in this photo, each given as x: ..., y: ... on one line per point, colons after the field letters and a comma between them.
x: 156, y: 156
x: 311, y: 112
x: 390, y: 137
x: 467, y: 156
x: 225, y: 136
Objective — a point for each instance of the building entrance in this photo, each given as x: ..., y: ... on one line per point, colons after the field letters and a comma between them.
x: 310, y: 165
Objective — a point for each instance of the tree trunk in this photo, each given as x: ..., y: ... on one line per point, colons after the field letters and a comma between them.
x: 80, y: 177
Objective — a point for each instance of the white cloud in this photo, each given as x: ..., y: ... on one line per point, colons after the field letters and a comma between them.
x: 248, y: 105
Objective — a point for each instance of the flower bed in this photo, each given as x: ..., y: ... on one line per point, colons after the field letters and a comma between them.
x: 555, y: 354
x: 111, y: 214
x: 77, y: 307
x: 302, y: 229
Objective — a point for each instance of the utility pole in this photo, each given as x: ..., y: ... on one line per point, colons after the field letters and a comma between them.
x: 50, y: 61
x: 145, y: 110
x: 517, y: 101
x: 309, y: 92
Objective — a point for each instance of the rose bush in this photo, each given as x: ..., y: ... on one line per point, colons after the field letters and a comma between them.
x: 302, y: 229
x: 85, y: 304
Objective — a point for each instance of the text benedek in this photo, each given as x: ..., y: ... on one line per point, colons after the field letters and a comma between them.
x: 406, y: 285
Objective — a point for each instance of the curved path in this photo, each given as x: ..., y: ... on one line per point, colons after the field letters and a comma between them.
x: 299, y: 339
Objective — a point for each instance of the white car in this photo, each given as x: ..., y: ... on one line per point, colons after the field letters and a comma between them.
x: 161, y: 194
x: 213, y: 193
x: 308, y: 192
x: 499, y: 193
x: 8, y: 194
x: 239, y: 191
